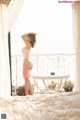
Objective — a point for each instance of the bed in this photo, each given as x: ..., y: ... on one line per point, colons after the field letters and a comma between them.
x: 58, y: 106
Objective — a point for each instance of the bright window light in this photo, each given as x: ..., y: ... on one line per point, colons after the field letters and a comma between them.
x: 51, y: 20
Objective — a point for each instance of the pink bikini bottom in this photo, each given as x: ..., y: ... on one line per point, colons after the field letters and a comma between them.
x: 27, y: 73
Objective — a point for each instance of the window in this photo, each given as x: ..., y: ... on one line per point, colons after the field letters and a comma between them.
x: 51, y: 20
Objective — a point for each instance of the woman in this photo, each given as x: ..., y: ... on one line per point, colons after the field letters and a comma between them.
x: 30, y: 40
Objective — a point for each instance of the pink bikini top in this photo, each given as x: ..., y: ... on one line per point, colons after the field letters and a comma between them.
x: 26, y: 53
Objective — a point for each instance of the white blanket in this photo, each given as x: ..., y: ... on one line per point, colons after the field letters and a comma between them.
x: 58, y: 106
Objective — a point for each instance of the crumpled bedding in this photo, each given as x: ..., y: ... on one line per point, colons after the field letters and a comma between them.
x: 57, y: 106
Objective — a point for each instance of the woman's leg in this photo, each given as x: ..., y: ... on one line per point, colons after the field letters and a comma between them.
x: 27, y: 86
x: 30, y: 89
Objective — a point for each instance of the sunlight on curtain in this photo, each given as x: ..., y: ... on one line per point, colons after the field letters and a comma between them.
x: 4, y: 55
x: 13, y: 11
x: 6, y: 23
x: 76, y: 37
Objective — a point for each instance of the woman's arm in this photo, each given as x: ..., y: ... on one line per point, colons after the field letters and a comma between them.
x: 24, y: 38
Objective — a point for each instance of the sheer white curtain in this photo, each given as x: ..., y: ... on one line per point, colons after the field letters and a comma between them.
x: 7, y: 19
x: 76, y: 37
x: 4, y: 58
x: 13, y: 11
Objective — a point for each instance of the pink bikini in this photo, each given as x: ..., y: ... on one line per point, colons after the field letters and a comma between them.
x: 27, y: 74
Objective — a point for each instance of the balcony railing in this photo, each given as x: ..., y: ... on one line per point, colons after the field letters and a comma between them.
x: 43, y: 64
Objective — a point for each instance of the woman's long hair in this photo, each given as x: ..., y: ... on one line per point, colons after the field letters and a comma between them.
x: 32, y: 37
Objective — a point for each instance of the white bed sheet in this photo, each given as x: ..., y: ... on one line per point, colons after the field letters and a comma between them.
x: 58, y: 106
